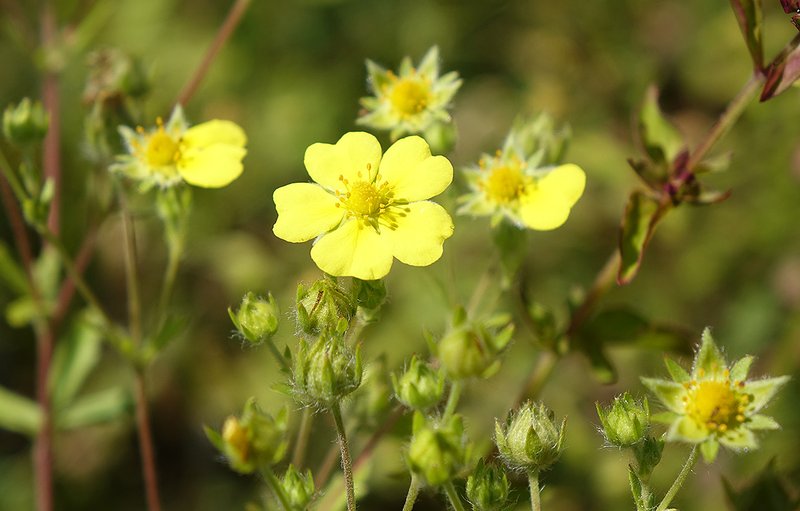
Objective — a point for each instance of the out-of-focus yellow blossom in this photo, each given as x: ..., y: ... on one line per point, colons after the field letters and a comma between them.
x: 521, y: 183
x: 208, y: 155
x: 364, y: 209
x: 412, y: 100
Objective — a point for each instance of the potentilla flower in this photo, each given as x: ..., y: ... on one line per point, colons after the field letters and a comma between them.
x: 715, y: 404
x: 410, y: 101
x: 522, y: 182
x: 366, y: 210
x: 208, y: 155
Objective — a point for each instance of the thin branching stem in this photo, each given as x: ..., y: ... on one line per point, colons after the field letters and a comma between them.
x: 347, y: 465
x: 533, y: 484
x: 413, y: 492
x: 452, y: 496
x: 684, y: 473
x: 146, y: 450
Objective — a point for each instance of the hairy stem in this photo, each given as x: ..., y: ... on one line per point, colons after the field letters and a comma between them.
x: 347, y: 465
x: 411, y: 496
x: 452, y: 399
x: 684, y: 473
x: 452, y: 496
x: 533, y: 484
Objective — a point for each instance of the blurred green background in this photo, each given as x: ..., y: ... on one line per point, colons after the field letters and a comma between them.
x: 291, y: 75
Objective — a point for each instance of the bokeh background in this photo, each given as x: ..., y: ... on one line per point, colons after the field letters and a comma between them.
x: 291, y: 75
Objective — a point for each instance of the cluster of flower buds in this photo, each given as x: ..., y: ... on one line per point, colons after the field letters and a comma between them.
x: 325, y: 371
x: 530, y: 440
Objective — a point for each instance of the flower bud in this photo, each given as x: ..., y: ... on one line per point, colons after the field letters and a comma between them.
x: 625, y: 422
x: 438, y: 452
x: 25, y: 123
x: 299, y: 488
x: 473, y: 348
x: 648, y: 455
x: 253, y: 440
x: 257, y: 318
x: 487, y: 488
x: 324, y: 307
x: 326, y: 371
x: 530, y: 440
x: 419, y: 387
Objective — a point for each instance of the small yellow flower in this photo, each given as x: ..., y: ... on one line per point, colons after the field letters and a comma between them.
x: 521, y: 182
x: 412, y: 100
x: 207, y: 155
x: 364, y: 209
x: 715, y: 404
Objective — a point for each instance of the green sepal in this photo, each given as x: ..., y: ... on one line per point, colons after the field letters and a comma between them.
x: 678, y: 373
x: 762, y: 391
x: 669, y: 392
x: 709, y: 360
x: 687, y: 430
x: 664, y: 417
x: 709, y: 450
x: 739, y: 439
x: 740, y: 369
x: 760, y: 422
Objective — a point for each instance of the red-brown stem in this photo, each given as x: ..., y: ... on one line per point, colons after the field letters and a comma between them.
x: 225, y: 30
x: 51, y: 160
x: 21, y: 239
x: 146, y: 445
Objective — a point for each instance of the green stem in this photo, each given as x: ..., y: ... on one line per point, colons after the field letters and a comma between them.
x: 9, y: 174
x: 452, y: 399
x: 533, y: 483
x: 170, y: 273
x: 452, y: 495
x: 131, y: 275
x: 303, y: 433
x: 347, y: 465
x: 687, y: 468
x: 276, y: 487
x: 411, y: 496
x: 277, y: 354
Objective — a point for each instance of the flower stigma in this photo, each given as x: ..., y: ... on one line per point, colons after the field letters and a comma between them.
x: 715, y: 404
x: 409, y: 96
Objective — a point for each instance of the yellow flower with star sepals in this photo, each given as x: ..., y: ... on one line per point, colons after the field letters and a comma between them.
x: 366, y: 209
x: 411, y: 101
x: 715, y: 404
x: 208, y: 155
x: 522, y: 182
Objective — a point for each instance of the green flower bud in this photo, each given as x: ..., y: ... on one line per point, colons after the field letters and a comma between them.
x: 253, y: 440
x: 299, y: 488
x: 487, y: 488
x: 438, y: 452
x: 530, y: 440
x: 473, y: 348
x: 25, y: 123
x: 324, y: 307
x: 419, y: 387
x: 625, y: 423
x: 648, y: 455
x: 326, y: 371
x: 257, y: 318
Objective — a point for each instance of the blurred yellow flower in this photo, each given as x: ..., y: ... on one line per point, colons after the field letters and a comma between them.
x: 207, y: 155
x: 412, y: 100
x: 364, y: 209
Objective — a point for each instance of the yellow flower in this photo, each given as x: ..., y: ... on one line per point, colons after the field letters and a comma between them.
x: 521, y: 182
x: 366, y: 210
x: 412, y: 100
x: 207, y: 155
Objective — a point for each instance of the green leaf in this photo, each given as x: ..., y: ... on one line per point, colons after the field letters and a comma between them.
x: 768, y: 490
x: 641, y: 216
x: 749, y: 15
x: 12, y: 273
x: 75, y: 356
x: 95, y: 408
x: 47, y: 271
x: 21, y: 312
x: 636, y: 489
x: 662, y: 142
x: 783, y: 71
x: 18, y: 413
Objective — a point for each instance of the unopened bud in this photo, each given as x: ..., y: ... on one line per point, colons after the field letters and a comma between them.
x: 25, y: 123
x: 530, y: 439
x: 419, y: 387
x: 626, y: 421
x: 438, y: 452
x: 473, y: 348
x: 326, y: 371
x: 487, y: 488
x: 324, y: 307
x: 299, y: 488
x: 257, y: 318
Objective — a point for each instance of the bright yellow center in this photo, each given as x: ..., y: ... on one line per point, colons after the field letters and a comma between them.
x: 363, y: 199
x: 236, y: 437
x: 161, y: 149
x: 715, y: 404
x: 409, y: 96
x: 504, y: 184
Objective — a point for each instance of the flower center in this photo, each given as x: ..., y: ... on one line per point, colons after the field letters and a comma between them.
x: 371, y: 203
x: 363, y: 199
x: 715, y: 405
x: 161, y: 150
x: 409, y: 96
x: 505, y: 184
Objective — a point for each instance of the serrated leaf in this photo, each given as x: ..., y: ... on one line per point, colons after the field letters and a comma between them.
x: 783, y: 71
x: 74, y: 358
x: 662, y: 142
x: 749, y: 16
x: 642, y: 214
x: 95, y: 408
x: 11, y: 273
x: 18, y: 413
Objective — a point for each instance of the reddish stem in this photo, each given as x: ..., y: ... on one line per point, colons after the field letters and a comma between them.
x: 146, y: 445
x: 51, y: 160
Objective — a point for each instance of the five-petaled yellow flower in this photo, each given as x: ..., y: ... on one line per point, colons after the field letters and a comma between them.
x: 207, y: 155
x: 411, y: 101
x: 364, y: 209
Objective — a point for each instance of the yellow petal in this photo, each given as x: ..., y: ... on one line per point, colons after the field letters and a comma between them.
x: 420, y: 234
x: 412, y: 173
x: 543, y: 211
x: 353, y: 251
x: 213, y: 166
x: 355, y: 153
x: 214, y: 132
x: 567, y: 181
x: 305, y: 210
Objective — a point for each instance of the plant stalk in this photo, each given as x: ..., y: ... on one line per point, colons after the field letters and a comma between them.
x: 533, y: 484
x: 684, y: 473
x: 347, y: 465
x: 452, y: 496
x: 411, y: 496
x: 146, y: 450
